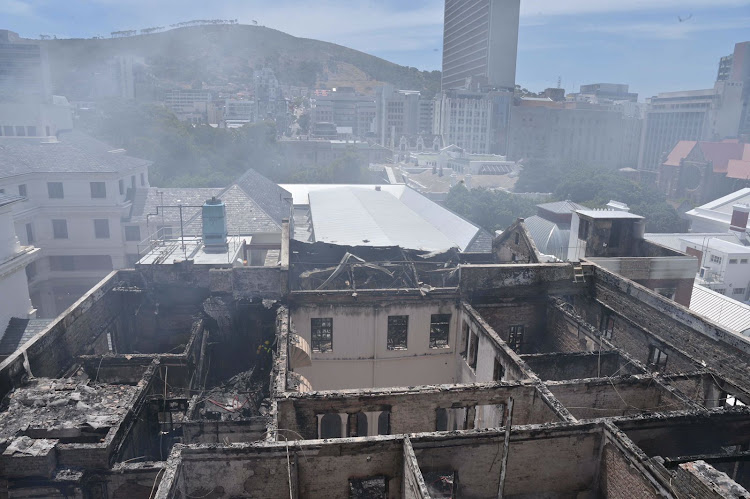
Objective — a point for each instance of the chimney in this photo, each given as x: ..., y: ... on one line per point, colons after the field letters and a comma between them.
x: 739, y: 217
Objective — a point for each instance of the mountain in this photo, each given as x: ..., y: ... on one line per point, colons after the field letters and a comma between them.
x: 224, y: 56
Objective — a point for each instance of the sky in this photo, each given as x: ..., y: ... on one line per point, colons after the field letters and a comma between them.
x: 653, y: 45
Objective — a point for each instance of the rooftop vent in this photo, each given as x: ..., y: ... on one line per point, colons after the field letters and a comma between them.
x: 214, y: 226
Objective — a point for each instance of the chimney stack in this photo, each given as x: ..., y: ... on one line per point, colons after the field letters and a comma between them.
x: 739, y: 217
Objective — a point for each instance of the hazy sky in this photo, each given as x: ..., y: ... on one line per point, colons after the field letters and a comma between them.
x: 640, y: 42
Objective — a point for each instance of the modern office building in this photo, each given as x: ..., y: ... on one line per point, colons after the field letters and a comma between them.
x: 24, y: 73
x: 607, y: 91
x: 344, y: 107
x: 574, y: 132
x: 480, y: 41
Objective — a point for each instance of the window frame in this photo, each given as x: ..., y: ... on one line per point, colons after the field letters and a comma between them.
x: 98, y: 190
x: 128, y: 237
x: 320, y: 327
x: 58, y: 224
x: 515, y: 336
x: 23, y: 191
x: 657, y: 358
x: 100, y: 230
x: 396, y: 329
x: 438, y: 323
x: 52, y: 190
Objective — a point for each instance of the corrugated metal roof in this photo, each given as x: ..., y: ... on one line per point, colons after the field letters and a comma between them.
x: 549, y: 238
x: 391, y: 216
x: 561, y: 206
x: 606, y: 214
x: 721, y: 309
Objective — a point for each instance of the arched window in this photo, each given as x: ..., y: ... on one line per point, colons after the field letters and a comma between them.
x: 361, y: 424
x: 384, y: 423
x: 330, y: 426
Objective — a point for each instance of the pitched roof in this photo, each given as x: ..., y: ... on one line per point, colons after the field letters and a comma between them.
x: 719, y: 153
x: 272, y: 199
x: 679, y: 152
x: 550, y: 238
x: 561, y: 207
x: 254, y: 205
x: 740, y: 168
x: 19, y: 331
x: 722, y: 310
x: 75, y: 152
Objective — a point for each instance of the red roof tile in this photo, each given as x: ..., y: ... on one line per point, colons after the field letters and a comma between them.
x: 680, y: 152
x: 720, y: 153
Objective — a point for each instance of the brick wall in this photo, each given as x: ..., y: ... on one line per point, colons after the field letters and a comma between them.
x: 621, y: 480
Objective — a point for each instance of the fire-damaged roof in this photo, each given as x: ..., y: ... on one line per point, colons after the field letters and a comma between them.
x: 319, y: 266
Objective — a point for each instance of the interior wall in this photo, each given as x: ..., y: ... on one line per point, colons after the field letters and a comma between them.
x: 360, y: 357
x: 530, y: 313
x: 608, y: 398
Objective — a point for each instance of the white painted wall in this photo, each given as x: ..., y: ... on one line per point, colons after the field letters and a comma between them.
x: 360, y: 357
x: 14, y: 289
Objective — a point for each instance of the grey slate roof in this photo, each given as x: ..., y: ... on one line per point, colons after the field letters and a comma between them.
x: 19, y: 331
x: 146, y: 200
x: 272, y: 199
x: 482, y: 243
x: 561, y: 206
x: 75, y: 152
x: 254, y: 205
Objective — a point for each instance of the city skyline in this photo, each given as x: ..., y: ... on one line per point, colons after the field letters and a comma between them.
x: 653, y: 46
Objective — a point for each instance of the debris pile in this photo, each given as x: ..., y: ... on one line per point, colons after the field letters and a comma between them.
x: 237, y: 398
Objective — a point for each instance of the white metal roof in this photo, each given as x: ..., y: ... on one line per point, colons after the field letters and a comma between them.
x: 607, y: 214
x: 722, y: 310
x: 394, y: 215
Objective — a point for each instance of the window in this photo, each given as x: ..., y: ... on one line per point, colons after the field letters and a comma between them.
x: 55, y: 190
x: 608, y: 326
x: 132, y: 233
x: 721, y: 291
x: 452, y: 418
x: 8, y: 131
x: 132, y: 181
x: 517, y: 237
x: 384, y: 423
x: 743, y: 260
x: 657, y: 359
x: 330, y: 425
x: 398, y: 326
x: 321, y: 334
x: 498, y: 371
x: 738, y: 291
x: 98, y: 190
x: 29, y: 234
x: 61, y: 263
x: 583, y: 229
x: 716, y: 259
x: 20, y: 131
x: 515, y: 337
x: 143, y: 179
x: 439, y: 329
x: 22, y: 190
x: 732, y: 261
x: 60, y: 229
x: 464, y: 340
x: 121, y: 186
x: 31, y: 270
x: 31, y: 131
x: 164, y: 231
x: 473, y: 351
x: 101, y: 228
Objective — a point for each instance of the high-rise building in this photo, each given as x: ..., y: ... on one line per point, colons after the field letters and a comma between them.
x: 474, y: 121
x: 725, y: 67
x: 397, y: 114
x: 480, y: 41
x: 711, y: 114
x: 740, y: 72
x: 24, y: 73
x: 575, y: 132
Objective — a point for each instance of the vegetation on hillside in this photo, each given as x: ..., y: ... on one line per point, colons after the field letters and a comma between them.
x: 203, y: 156
x: 225, y: 55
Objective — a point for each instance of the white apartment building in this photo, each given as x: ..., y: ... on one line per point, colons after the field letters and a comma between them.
x: 77, y: 190
x: 14, y: 258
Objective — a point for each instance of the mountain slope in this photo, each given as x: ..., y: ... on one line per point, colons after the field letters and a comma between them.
x: 226, y: 55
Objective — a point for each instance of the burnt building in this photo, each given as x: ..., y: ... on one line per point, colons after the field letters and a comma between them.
x: 361, y: 371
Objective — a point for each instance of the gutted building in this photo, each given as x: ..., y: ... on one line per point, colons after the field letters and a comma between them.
x: 360, y: 371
